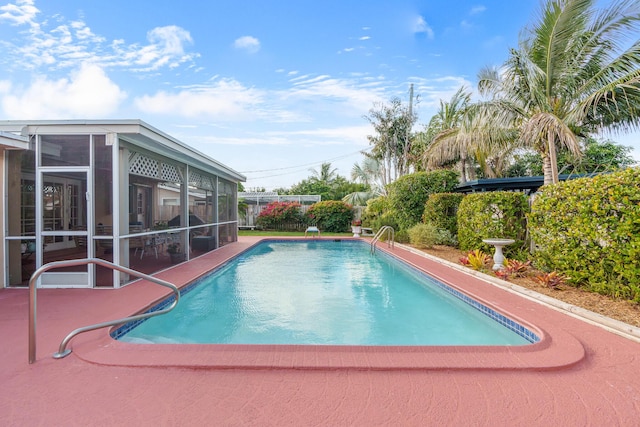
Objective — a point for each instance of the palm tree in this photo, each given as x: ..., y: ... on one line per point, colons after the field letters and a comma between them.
x: 371, y: 174
x: 445, y: 134
x: 573, y: 75
x: 326, y: 175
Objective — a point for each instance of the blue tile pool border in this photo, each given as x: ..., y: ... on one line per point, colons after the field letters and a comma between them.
x: 508, y: 323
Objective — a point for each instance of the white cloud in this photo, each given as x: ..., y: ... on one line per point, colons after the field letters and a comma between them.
x: 166, y: 48
x: 248, y: 43
x: 477, y: 9
x: 69, y: 44
x: 224, y: 99
x: 308, y: 99
x: 364, y: 38
x: 88, y: 93
x: 420, y: 26
x: 22, y: 12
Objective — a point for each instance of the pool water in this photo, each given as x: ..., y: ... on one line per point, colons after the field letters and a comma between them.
x: 323, y: 292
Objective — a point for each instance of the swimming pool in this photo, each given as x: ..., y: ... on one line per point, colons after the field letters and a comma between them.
x: 324, y: 292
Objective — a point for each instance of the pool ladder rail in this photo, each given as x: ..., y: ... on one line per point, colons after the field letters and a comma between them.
x: 391, y: 236
x: 63, y: 351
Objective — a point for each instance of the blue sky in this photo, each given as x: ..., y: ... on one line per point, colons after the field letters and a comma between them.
x: 269, y: 88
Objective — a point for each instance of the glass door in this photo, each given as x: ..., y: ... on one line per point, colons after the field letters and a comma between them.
x: 64, y: 232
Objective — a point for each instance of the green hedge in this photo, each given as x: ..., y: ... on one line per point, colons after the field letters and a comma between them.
x: 441, y: 210
x: 497, y: 214
x: 589, y: 230
x: 331, y: 215
x: 409, y: 193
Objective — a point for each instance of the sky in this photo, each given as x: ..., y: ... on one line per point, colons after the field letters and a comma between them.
x: 272, y: 89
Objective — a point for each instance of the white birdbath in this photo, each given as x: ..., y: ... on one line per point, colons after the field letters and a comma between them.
x: 498, y: 257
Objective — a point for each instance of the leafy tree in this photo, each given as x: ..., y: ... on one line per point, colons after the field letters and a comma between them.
x: 599, y: 156
x: 336, y: 190
x: 392, y: 140
x: 572, y: 75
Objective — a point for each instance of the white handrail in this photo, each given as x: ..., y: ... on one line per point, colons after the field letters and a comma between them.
x: 391, y: 235
x: 62, y: 351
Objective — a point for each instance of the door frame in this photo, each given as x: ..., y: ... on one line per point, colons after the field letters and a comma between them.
x: 64, y: 279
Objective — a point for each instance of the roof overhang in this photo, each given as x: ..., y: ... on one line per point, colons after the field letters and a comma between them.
x: 529, y: 184
x: 11, y: 141
x: 135, y: 132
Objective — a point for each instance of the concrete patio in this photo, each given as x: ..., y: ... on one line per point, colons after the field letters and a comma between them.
x: 580, y: 374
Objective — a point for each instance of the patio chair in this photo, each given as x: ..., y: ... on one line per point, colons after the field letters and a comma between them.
x: 312, y: 229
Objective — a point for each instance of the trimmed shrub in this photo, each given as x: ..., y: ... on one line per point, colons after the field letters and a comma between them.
x: 409, y: 193
x: 589, y: 230
x: 331, y: 215
x: 375, y: 209
x: 427, y: 235
x: 497, y: 214
x: 277, y: 213
x: 441, y: 210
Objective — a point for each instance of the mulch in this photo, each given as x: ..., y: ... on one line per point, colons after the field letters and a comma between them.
x: 622, y: 310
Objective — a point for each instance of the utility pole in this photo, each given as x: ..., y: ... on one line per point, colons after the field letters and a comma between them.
x: 407, y: 145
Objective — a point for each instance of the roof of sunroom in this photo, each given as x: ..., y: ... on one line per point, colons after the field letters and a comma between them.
x: 133, y: 131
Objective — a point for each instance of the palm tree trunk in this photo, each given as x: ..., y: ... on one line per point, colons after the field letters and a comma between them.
x: 463, y: 169
x: 553, y: 161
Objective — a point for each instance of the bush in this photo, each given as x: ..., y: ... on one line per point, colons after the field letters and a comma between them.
x: 589, y: 230
x: 427, y: 235
x: 497, y: 214
x: 375, y: 209
x: 409, y: 193
x: 441, y: 210
x: 277, y: 213
x: 331, y: 215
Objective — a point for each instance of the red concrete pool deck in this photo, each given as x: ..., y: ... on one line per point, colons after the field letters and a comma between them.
x: 579, y: 374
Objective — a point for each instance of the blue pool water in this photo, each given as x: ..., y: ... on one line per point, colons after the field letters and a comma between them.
x: 324, y: 292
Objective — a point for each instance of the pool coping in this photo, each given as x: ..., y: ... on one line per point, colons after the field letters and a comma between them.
x: 612, y: 325
x: 556, y: 349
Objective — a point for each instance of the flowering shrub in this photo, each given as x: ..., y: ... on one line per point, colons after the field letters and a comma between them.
x: 276, y: 213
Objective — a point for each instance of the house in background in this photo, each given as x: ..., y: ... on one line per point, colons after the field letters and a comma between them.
x: 118, y: 190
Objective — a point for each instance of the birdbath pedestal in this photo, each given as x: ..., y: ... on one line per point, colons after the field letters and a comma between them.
x: 498, y: 257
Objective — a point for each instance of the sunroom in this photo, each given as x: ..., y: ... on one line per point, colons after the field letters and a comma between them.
x: 118, y: 190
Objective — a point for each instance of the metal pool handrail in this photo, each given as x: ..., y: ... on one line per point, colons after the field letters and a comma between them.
x: 62, y: 351
x: 390, y: 241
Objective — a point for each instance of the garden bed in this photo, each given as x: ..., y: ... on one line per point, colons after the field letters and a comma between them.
x: 624, y: 311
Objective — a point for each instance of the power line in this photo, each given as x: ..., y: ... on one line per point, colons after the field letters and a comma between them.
x: 298, y: 167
